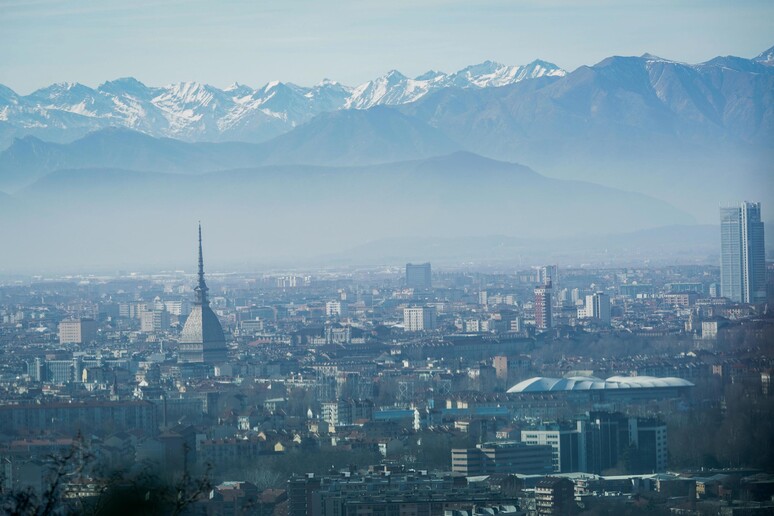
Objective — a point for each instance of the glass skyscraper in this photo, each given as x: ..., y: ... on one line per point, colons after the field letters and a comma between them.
x: 742, y: 255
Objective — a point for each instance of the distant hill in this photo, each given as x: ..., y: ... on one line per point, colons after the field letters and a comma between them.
x: 288, y: 212
x: 30, y: 158
x: 354, y: 137
x: 351, y: 137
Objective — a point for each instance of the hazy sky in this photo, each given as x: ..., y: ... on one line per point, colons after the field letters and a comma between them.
x: 303, y: 41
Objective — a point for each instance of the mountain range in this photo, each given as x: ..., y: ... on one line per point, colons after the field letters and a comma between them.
x: 193, y: 111
x: 628, y: 144
x: 644, y: 123
x: 648, y: 124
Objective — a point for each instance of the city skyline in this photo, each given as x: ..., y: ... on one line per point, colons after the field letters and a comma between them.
x: 505, y: 257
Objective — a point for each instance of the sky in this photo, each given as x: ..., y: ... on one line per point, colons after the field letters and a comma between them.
x: 303, y: 41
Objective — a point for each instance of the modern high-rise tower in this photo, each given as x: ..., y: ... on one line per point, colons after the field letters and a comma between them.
x: 543, y: 315
x: 202, y: 340
x: 742, y: 255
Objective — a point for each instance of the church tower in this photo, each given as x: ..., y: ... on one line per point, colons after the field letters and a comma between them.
x: 202, y: 340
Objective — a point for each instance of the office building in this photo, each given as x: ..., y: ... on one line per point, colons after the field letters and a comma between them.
x: 615, y: 441
x: 548, y: 274
x: 419, y: 318
x: 132, y: 310
x: 59, y: 371
x: 152, y: 321
x: 742, y: 255
x: 567, y: 441
x: 649, y: 437
x: 418, y: 275
x: 36, y: 370
x: 346, y: 411
x: 597, y: 307
x: 77, y: 331
x: 202, y: 340
x: 543, y: 316
x: 503, y: 457
x: 178, y: 308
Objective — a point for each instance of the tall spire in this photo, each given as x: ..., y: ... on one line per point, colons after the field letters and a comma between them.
x: 201, y: 289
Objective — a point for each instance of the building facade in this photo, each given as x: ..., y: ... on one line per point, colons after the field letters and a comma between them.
x: 548, y: 274
x: 597, y: 307
x: 153, y: 321
x: 742, y: 255
x: 555, y: 497
x: 615, y: 441
x: 543, y: 314
x: 418, y: 275
x: 77, y: 331
x: 504, y: 457
x: 419, y: 318
x: 568, y: 444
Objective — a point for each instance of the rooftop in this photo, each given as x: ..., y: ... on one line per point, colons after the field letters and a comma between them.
x: 588, y: 383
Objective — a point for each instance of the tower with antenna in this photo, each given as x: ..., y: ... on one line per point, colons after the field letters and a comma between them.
x: 202, y: 339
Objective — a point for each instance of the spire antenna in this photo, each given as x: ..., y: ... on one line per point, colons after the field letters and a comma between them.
x: 201, y: 259
x: 201, y: 287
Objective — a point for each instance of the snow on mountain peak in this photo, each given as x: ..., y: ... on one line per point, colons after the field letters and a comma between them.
x: 394, y: 75
x: 765, y: 57
x: 185, y: 89
x: 650, y: 58
x: 429, y: 75
x: 234, y: 86
x: 195, y: 111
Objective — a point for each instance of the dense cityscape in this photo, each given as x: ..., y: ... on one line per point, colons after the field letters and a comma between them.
x: 406, y: 390
x: 404, y: 258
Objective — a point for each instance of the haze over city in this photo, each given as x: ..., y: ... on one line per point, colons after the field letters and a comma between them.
x: 425, y: 258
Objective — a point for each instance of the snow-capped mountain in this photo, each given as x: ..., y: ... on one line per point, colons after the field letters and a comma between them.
x: 395, y: 88
x: 766, y: 57
x: 198, y: 112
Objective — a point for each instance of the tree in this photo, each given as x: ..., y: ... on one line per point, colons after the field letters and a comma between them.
x: 117, y: 492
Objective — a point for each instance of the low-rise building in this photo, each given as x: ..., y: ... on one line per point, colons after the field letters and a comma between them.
x: 503, y: 457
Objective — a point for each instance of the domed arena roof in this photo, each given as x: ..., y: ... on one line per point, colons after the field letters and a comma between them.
x: 590, y: 383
